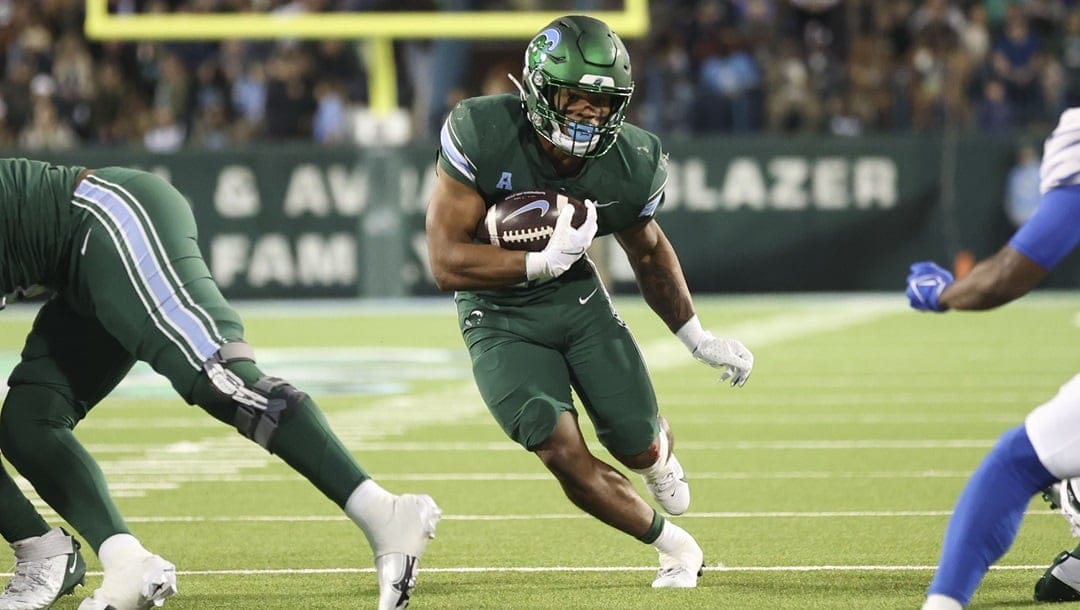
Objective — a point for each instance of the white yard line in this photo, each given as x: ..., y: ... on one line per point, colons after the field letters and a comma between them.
x: 847, y: 419
x: 693, y: 475
x: 568, y: 569
x: 151, y: 481
x: 854, y: 444
x: 113, y: 421
x: 871, y: 514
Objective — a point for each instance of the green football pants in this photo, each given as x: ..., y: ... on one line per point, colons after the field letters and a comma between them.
x: 138, y: 289
x: 526, y: 358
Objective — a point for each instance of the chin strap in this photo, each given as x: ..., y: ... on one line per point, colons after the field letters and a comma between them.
x: 571, y: 146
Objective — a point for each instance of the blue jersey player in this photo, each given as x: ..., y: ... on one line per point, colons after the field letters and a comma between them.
x: 1046, y: 447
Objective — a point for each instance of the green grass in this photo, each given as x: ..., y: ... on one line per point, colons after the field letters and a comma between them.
x: 825, y: 483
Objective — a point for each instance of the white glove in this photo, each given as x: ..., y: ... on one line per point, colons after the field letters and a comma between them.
x: 565, y: 247
x: 727, y: 354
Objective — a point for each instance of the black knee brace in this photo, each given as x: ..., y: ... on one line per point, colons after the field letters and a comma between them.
x: 260, y: 407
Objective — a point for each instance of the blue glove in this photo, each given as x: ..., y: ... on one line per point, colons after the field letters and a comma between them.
x: 925, y: 284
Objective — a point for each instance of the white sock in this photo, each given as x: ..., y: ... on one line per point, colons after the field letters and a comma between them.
x: 672, y: 538
x: 941, y: 602
x: 118, y: 549
x: 368, y: 504
x: 660, y: 464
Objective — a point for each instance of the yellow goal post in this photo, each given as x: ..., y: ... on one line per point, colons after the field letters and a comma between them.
x: 377, y: 29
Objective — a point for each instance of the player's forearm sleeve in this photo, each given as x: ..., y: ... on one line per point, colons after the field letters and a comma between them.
x: 1054, y: 230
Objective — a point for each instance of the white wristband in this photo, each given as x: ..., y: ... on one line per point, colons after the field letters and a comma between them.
x: 691, y: 334
x: 536, y: 266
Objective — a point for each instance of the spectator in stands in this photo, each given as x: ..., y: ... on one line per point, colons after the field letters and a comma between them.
x: 668, y: 86
x: 15, y: 90
x: 289, y: 100
x: 815, y: 18
x: 47, y: 131
x: 330, y: 124
x: 994, y: 113
x: 1070, y: 59
x: 167, y: 133
x: 975, y: 34
x: 791, y: 103
x: 756, y: 19
x: 173, y: 89
x: 892, y: 65
x: 210, y: 86
x: 113, y: 107
x: 1044, y: 16
x: 870, y: 82
x: 938, y: 24
x: 1052, y: 90
x: 339, y: 61
x: 73, y: 72
x: 843, y: 121
x: 7, y: 137
x: 1014, y: 62
x: 731, y: 81
x: 248, y: 97
x: 211, y: 130
x: 33, y: 40
x: 1022, y: 194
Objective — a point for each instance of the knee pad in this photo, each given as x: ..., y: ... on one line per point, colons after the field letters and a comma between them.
x: 628, y: 437
x: 536, y: 421
x: 260, y: 407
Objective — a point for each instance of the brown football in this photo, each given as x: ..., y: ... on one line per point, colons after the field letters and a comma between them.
x: 525, y: 220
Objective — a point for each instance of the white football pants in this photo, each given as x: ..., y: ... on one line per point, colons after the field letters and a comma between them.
x: 1054, y: 430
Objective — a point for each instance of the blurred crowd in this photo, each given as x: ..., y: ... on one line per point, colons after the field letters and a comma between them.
x: 858, y: 66
x: 842, y: 67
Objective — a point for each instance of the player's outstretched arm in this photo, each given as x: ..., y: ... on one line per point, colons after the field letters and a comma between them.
x: 1016, y: 269
x: 1004, y: 277
x: 660, y: 277
x: 456, y: 262
x: 995, y: 281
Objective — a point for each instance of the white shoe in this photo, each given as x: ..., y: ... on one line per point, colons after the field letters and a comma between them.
x: 142, y: 582
x: 681, y: 570
x: 669, y: 487
x: 1063, y: 496
x: 46, y: 567
x: 399, y: 543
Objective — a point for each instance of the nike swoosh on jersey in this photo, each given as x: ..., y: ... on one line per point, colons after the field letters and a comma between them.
x: 539, y: 204
x: 585, y: 299
x: 74, y: 562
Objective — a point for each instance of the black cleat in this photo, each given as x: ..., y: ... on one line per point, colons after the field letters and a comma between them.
x: 1061, y: 581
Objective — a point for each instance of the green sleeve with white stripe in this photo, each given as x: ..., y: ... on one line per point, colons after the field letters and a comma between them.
x: 456, y: 140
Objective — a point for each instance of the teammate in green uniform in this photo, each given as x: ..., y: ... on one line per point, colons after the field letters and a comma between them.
x: 538, y: 323
x: 117, y: 248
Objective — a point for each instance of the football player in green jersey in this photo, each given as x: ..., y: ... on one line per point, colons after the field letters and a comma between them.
x: 538, y: 323
x: 117, y: 248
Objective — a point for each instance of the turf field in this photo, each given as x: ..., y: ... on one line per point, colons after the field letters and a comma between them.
x: 825, y: 483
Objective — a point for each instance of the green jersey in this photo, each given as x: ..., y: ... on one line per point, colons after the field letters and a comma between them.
x: 37, y: 222
x: 487, y: 144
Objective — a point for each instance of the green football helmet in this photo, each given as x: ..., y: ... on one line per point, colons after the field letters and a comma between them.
x: 582, y: 53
